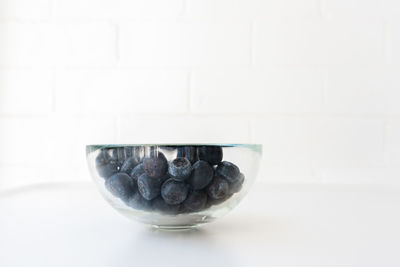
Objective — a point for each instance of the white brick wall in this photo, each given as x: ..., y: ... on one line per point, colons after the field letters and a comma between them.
x: 392, y: 145
x: 121, y: 91
x: 319, y: 41
x: 25, y: 9
x: 36, y: 44
x: 364, y: 8
x: 183, y: 128
x: 26, y: 91
x: 185, y: 43
x: 257, y: 90
x: 251, y: 9
x: 315, y: 81
x: 117, y: 9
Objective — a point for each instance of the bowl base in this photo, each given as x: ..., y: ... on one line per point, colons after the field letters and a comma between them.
x: 174, y: 227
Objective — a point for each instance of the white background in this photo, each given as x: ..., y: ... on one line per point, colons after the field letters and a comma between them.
x: 315, y: 81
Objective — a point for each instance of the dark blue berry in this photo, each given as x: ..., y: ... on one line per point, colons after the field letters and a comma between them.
x: 180, y: 151
x: 218, y: 188
x: 202, y: 174
x: 128, y: 165
x: 128, y: 150
x: 174, y: 192
x: 164, y: 178
x: 121, y: 185
x: 195, y: 201
x: 137, y: 201
x: 189, y: 152
x: 105, y: 165
x: 118, y: 154
x: 211, y: 154
x: 102, y: 158
x: 155, y: 166
x: 108, y: 169
x: 138, y: 153
x: 179, y: 169
x: 137, y: 171
x: 148, y: 187
x: 161, y: 206
x: 236, y: 186
x: 229, y: 171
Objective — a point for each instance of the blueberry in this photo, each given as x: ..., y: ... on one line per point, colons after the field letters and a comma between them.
x: 138, y: 153
x: 218, y: 188
x: 189, y: 152
x: 128, y: 150
x: 214, y: 202
x: 118, y: 154
x: 164, y: 178
x: 155, y: 166
x: 137, y: 201
x: 179, y: 169
x: 102, y: 158
x: 160, y: 205
x: 195, y: 201
x: 128, y: 165
x: 211, y: 154
x: 121, y: 185
x: 137, y: 171
x: 236, y: 186
x: 180, y: 151
x: 229, y: 171
x: 108, y: 169
x: 148, y: 186
x: 105, y: 165
x: 174, y: 192
x: 202, y: 174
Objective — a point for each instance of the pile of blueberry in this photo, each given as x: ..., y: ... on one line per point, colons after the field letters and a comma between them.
x: 195, y: 180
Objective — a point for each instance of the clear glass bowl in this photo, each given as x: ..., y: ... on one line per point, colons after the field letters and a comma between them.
x: 146, y: 184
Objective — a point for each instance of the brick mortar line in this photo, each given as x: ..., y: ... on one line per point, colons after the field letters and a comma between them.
x: 183, y: 11
x: 54, y: 92
x: 385, y: 142
x: 117, y: 42
x: 189, y: 93
x: 387, y: 48
x: 204, y: 68
x: 252, y: 42
x: 250, y: 138
x: 117, y: 125
x: 320, y: 9
x: 205, y: 115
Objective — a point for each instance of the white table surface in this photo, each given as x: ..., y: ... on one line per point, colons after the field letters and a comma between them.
x: 71, y: 225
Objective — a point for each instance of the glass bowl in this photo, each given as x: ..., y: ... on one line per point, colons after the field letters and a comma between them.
x: 174, y: 186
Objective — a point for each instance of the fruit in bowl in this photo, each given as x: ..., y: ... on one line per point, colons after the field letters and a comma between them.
x: 174, y: 186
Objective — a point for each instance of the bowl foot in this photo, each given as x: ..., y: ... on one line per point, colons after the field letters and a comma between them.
x: 174, y: 227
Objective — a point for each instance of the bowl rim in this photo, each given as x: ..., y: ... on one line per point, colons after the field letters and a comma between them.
x: 256, y: 147
x: 179, y: 144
